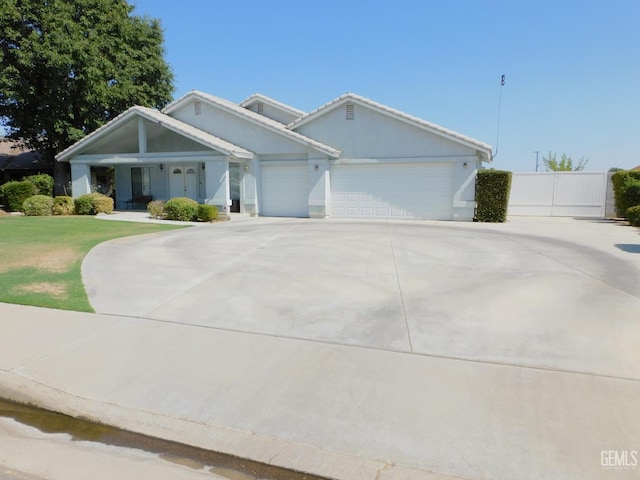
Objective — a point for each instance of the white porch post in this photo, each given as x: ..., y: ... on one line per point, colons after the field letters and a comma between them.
x: 250, y: 181
x: 320, y: 194
x: 80, y: 179
x: 217, y: 184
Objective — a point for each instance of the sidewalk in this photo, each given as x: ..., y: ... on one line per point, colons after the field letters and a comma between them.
x: 343, y: 412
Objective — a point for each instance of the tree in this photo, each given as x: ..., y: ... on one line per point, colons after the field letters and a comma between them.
x: 565, y: 164
x: 69, y: 66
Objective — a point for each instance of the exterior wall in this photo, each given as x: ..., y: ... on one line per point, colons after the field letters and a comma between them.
x: 239, y: 131
x: 273, y: 113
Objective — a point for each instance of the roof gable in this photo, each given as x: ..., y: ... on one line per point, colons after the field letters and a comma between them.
x: 181, y: 128
x: 483, y: 148
x: 285, y: 113
x: 252, y: 117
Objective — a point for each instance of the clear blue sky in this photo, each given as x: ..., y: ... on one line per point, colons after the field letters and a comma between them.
x: 572, y: 67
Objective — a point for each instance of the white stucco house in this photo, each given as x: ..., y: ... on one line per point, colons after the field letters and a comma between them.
x: 352, y: 157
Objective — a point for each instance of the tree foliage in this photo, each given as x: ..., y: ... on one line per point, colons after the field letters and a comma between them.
x: 69, y: 66
x: 565, y: 164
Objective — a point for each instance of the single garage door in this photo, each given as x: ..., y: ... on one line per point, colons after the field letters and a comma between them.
x: 285, y: 190
x: 403, y: 190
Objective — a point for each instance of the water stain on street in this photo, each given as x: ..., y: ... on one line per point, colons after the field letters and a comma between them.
x: 223, y: 465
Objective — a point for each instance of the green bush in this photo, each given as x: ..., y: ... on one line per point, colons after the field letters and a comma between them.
x: 38, y: 206
x: 13, y: 194
x: 181, y: 208
x: 622, y: 180
x: 84, y: 205
x: 633, y: 215
x: 42, y: 182
x: 101, y: 203
x: 207, y: 213
x: 492, y: 195
x: 156, y: 209
x: 63, y: 205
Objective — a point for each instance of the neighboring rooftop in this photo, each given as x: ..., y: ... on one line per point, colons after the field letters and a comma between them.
x: 15, y: 157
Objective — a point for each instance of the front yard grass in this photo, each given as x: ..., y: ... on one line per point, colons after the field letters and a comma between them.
x: 40, y: 257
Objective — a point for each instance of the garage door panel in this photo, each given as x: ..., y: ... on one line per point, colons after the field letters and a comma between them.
x: 409, y: 191
x: 285, y: 190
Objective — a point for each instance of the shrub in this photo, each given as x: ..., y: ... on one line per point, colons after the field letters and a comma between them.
x: 42, y: 182
x: 101, y: 203
x: 181, y: 208
x: 492, y: 195
x: 14, y: 193
x: 207, y: 213
x: 633, y: 215
x: 38, y: 206
x: 156, y: 209
x: 622, y: 180
x: 84, y: 205
x: 63, y: 205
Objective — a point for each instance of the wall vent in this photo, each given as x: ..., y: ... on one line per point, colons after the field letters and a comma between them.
x: 350, y: 111
x: 197, y: 108
x: 260, y: 108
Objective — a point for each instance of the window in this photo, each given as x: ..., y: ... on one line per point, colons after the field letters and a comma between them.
x: 140, y: 181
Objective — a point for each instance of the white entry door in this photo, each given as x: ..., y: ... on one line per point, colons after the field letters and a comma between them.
x: 183, y: 181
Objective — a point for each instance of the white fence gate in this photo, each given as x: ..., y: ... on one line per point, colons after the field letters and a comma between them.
x: 560, y: 194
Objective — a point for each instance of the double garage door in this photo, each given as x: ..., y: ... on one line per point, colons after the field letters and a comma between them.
x: 403, y: 191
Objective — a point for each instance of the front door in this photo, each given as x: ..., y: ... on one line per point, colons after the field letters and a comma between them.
x: 184, y: 181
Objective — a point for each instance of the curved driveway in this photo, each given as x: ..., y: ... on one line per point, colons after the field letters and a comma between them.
x: 555, y: 293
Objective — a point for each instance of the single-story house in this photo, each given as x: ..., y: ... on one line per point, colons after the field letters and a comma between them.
x: 17, y: 162
x: 352, y: 157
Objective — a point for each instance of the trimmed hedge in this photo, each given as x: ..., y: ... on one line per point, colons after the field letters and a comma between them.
x: 156, y: 209
x: 102, y: 203
x: 207, y: 213
x: 38, y: 206
x: 623, y: 180
x: 84, y: 205
x: 93, y: 203
x: 492, y: 195
x: 181, y: 208
x: 633, y: 215
x: 63, y: 205
x: 42, y: 182
x: 13, y: 194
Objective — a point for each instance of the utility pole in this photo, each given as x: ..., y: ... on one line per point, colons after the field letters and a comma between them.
x: 537, y: 152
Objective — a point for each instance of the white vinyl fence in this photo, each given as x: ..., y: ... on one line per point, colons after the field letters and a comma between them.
x: 560, y: 194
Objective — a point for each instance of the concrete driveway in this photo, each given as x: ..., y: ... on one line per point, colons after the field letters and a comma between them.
x: 557, y: 294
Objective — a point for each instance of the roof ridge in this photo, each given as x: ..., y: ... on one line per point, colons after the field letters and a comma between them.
x: 259, y: 119
x: 393, y: 111
x: 283, y: 106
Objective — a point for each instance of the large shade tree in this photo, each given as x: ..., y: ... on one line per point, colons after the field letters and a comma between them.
x: 69, y: 66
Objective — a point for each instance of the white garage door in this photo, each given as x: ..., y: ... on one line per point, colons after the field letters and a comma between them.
x: 285, y: 190
x: 409, y: 191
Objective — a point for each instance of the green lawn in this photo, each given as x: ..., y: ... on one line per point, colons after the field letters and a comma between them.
x: 40, y: 257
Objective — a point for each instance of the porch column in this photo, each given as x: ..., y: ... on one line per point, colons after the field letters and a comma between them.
x: 251, y: 180
x: 217, y: 184
x: 80, y: 179
x: 320, y: 194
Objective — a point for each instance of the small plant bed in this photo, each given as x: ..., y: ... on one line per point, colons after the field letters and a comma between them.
x: 41, y: 257
x: 184, y: 209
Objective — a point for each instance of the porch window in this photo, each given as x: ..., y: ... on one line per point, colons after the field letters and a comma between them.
x: 140, y: 181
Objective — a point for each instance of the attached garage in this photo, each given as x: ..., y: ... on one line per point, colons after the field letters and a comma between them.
x: 403, y: 191
x: 285, y: 190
